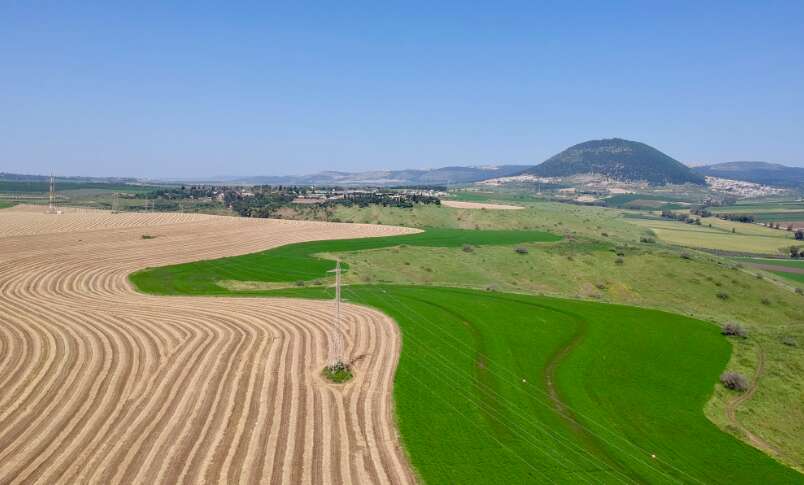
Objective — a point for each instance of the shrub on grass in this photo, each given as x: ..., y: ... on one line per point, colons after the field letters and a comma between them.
x: 467, y: 248
x: 799, y: 291
x: 619, y: 261
x: 765, y: 301
x: 300, y: 283
x: 521, y: 250
x: 789, y: 340
x: 723, y: 295
x: 733, y: 329
x: 686, y: 256
x: 734, y: 381
x: 647, y: 240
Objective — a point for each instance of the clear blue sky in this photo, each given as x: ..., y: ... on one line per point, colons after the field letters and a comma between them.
x: 197, y: 89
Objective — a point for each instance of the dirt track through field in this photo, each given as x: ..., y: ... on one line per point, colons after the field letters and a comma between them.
x: 734, y: 403
x: 104, y: 385
x: 776, y: 267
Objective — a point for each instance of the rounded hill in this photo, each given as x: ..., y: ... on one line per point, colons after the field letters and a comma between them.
x: 618, y: 159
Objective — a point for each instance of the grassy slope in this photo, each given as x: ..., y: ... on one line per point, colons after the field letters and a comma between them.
x: 651, y: 276
x: 466, y: 416
x: 564, y: 219
x: 470, y: 350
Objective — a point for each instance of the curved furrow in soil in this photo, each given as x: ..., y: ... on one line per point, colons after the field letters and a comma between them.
x: 105, y: 385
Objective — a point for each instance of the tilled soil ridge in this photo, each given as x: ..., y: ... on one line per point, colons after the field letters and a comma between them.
x: 101, y: 384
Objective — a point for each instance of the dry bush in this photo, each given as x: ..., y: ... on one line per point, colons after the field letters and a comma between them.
x: 733, y: 329
x: 734, y: 381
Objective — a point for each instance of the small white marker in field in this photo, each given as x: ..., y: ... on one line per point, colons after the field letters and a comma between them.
x: 653, y: 455
x: 523, y: 380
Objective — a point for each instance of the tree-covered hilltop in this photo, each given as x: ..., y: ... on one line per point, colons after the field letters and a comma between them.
x: 618, y: 159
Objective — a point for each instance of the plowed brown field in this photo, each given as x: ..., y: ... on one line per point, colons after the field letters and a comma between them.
x: 99, y: 384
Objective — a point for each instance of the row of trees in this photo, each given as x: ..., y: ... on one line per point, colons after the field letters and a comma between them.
x: 681, y: 217
x: 261, y: 204
x: 385, y: 199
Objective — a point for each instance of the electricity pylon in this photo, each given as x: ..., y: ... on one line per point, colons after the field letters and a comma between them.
x: 336, y: 349
x: 51, y: 206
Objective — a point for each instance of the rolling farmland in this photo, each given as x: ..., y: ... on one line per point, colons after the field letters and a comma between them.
x: 747, y: 238
x: 497, y: 387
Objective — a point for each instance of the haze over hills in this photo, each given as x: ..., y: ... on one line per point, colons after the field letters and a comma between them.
x: 618, y: 159
x: 757, y: 172
x: 438, y: 176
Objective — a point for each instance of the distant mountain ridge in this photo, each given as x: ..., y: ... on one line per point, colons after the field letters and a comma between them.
x: 618, y: 159
x: 20, y: 177
x: 757, y: 172
x: 438, y: 176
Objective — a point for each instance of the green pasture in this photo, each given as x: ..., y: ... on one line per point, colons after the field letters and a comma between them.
x: 644, y: 202
x: 298, y: 262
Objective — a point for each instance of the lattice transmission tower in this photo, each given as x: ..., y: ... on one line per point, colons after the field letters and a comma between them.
x: 336, y: 347
x: 51, y: 204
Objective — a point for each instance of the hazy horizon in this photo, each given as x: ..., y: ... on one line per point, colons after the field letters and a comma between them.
x: 158, y: 91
